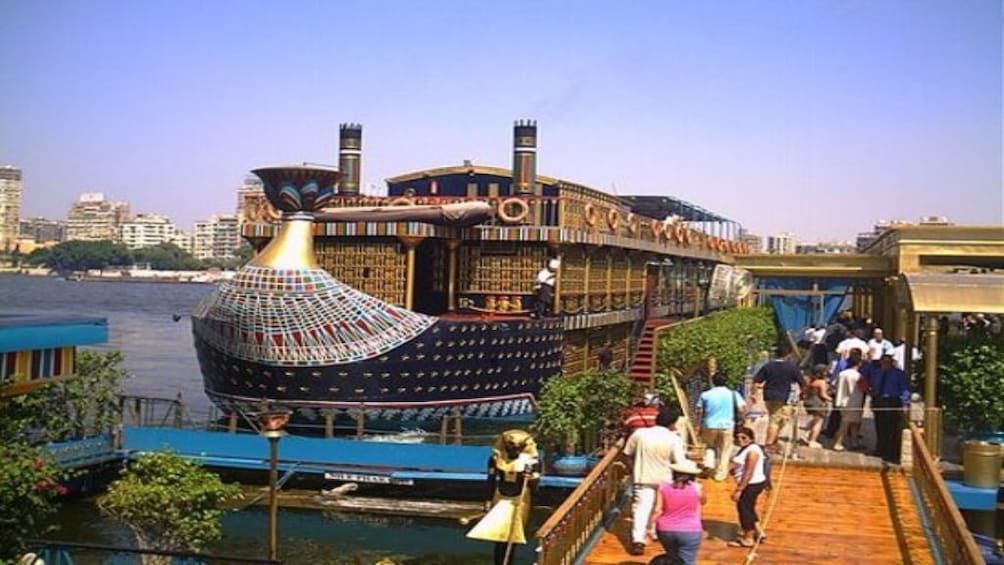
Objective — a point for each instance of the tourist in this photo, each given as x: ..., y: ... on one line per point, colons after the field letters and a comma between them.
x: 850, y: 401
x: 748, y: 467
x: 719, y: 411
x: 604, y: 357
x: 899, y: 354
x: 890, y: 391
x: 777, y: 377
x: 676, y: 519
x: 817, y: 402
x: 544, y: 289
x: 854, y: 342
x: 649, y: 452
x: 878, y: 346
x: 642, y: 414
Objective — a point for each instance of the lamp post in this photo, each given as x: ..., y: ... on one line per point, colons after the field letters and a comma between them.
x: 272, y: 424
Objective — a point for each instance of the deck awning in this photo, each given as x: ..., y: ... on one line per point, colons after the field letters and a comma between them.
x: 947, y: 293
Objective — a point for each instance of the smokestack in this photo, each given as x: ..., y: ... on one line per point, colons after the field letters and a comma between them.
x: 350, y: 146
x: 524, y: 157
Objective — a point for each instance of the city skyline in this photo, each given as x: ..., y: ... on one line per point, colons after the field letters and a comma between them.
x: 775, y: 116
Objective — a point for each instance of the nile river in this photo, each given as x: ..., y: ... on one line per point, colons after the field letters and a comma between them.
x: 161, y: 358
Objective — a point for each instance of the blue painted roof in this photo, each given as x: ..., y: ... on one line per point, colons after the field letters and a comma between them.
x: 21, y: 332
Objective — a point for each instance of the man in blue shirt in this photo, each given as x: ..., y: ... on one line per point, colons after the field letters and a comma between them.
x: 777, y: 378
x: 890, y: 391
x: 716, y: 413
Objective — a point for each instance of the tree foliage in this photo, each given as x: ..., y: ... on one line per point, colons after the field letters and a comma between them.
x: 29, y: 487
x: 168, y: 502
x: 971, y: 383
x: 82, y: 405
x: 733, y: 337
x: 572, y: 405
x: 166, y: 257
x: 82, y: 255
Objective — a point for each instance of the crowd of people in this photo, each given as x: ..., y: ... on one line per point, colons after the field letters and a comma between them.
x: 667, y: 498
x: 848, y: 365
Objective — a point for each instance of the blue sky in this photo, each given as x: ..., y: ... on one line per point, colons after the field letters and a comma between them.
x: 813, y: 117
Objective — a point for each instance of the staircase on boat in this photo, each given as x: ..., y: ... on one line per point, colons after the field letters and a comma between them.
x: 643, y: 366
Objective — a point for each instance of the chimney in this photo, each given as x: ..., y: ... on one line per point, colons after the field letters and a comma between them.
x: 524, y: 157
x: 350, y: 146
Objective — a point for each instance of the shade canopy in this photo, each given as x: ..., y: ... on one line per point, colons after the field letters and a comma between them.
x: 956, y: 292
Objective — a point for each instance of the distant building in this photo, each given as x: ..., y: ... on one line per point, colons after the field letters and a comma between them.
x: 92, y: 217
x: 42, y: 230
x: 825, y: 247
x: 754, y: 241
x: 183, y: 240
x: 781, y: 244
x: 10, y: 206
x: 147, y: 230
x: 218, y: 237
x: 865, y: 239
x: 250, y: 197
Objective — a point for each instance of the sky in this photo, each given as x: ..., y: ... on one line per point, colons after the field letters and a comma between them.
x: 817, y: 118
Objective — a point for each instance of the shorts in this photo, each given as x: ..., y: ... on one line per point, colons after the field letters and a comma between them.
x: 779, y: 413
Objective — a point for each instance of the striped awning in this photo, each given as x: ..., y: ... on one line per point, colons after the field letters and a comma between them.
x: 956, y: 292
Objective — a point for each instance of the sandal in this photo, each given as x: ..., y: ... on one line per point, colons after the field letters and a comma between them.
x: 740, y: 542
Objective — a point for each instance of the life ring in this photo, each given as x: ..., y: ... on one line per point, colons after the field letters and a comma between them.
x: 402, y: 201
x: 590, y: 214
x: 678, y: 233
x: 632, y: 223
x: 613, y: 219
x: 656, y: 227
x: 522, y: 209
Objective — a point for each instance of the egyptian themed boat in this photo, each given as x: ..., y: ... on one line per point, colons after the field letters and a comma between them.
x: 418, y: 304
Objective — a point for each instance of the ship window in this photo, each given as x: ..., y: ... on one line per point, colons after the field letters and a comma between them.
x: 472, y: 189
x: 493, y: 189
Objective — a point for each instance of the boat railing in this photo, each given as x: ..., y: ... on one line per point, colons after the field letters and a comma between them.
x: 568, y: 530
x: 953, y: 537
x: 153, y: 411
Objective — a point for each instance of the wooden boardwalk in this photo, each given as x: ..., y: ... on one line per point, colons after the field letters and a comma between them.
x: 822, y: 515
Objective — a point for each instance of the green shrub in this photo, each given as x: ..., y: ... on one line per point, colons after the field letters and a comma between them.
x: 168, y: 502
x: 733, y: 337
x: 29, y: 488
x: 971, y: 383
x: 571, y: 407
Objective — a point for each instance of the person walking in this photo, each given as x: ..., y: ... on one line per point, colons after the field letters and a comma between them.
x: 817, y: 401
x: 749, y: 469
x: 544, y: 289
x: 719, y: 411
x: 676, y: 519
x: 777, y: 377
x: 650, y: 452
x: 890, y: 391
x: 850, y: 402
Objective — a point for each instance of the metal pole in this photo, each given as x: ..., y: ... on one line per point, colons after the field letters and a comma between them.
x: 931, y: 420
x: 273, y: 499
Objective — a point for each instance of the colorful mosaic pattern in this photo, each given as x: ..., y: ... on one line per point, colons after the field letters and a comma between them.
x: 300, y: 318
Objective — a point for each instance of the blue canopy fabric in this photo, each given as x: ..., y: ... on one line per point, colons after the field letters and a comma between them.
x: 796, y: 312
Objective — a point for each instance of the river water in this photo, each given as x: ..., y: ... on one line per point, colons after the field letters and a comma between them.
x: 161, y: 357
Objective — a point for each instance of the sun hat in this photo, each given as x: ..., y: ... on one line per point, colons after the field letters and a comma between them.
x: 687, y: 467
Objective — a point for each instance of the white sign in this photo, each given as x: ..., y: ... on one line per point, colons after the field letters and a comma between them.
x: 358, y: 478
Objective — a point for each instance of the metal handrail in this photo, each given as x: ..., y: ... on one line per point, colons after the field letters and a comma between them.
x: 567, y: 531
x: 955, y: 540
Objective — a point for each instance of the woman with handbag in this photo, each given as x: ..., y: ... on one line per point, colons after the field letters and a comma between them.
x: 749, y: 469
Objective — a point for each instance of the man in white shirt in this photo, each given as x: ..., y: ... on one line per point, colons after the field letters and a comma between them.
x: 899, y: 355
x: 650, y: 452
x: 851, y: 343
x: 878, y: 345
x: 544, y: 288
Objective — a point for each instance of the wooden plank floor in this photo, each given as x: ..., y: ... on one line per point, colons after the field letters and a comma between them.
x: 823, y: 515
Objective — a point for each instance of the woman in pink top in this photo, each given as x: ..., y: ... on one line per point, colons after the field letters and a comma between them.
x: 676, y: 518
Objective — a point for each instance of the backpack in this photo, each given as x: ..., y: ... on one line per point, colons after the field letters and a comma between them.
x: 767, y: 464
